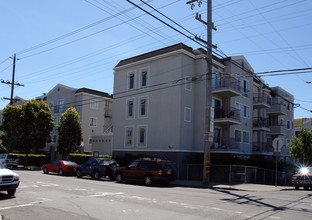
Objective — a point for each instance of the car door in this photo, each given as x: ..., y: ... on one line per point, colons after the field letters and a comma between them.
x: 55, y: 166
x: 88, y: 166
x: 129, y: 171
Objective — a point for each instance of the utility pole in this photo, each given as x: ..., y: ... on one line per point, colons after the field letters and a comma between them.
x: 13, y: 82
x: 209, y: 113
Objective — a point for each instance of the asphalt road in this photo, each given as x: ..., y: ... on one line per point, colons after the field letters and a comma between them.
x: 51, y: 196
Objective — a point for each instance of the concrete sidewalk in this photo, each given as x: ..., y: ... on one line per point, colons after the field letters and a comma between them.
x: 241, y: 187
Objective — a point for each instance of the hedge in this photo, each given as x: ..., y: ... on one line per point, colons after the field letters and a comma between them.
x: 81, y: 158
x: 34, y: 159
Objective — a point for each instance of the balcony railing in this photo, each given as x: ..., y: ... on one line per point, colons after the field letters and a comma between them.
x: 261, y: 100
x: 260, y: 123
x: 228, y: 86
x: 225, y: 144
x: 231, y: 113
x: 277, y: 108
x: 262, y: 147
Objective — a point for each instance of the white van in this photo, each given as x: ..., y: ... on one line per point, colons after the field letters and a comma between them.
x: 9, y: 160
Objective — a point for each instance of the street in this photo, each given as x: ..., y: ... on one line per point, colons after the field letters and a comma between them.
x: 42, y: 196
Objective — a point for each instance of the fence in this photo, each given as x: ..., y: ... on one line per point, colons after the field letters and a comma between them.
x: 237, y: 174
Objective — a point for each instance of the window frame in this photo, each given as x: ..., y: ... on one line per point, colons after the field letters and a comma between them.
x: 92, y: 123
x: 94, y: 104
x: 133, y: 108
x: 240, y: 132
x: 147, y: 71
x: 188, y: 83
x: 126, y: 137
x: 185, y: 114
x: 139, y: 144
x: 131, y: 73
x: 140, y: 116
x: 243, y: 137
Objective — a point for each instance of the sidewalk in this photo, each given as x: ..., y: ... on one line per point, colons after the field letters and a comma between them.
x: 241, y: 187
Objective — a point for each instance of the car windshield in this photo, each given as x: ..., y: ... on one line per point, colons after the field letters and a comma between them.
x: 69, y: 163
x: 2, y: 166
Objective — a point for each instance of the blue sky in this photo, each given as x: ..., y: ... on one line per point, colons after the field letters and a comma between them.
x: 271, y: 34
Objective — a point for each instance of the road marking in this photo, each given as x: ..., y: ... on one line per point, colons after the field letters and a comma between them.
x: 216, y: 208
x: 16, y: 206
x: 275, y: 217
x: 105, y: 194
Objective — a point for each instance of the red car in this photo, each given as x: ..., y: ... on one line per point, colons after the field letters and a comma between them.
x: 60, y: 167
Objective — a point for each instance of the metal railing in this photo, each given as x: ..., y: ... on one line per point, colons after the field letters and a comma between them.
x: 231, y: 174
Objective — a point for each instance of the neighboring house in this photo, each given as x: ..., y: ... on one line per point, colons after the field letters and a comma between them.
x: 159, y: 106
x: 305, y: 124
x: 94, y: 108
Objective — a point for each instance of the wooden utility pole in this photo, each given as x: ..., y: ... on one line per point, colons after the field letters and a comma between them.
x: 12, y: 84
x: 209, y: 112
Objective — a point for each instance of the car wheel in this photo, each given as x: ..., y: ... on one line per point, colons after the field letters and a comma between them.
x: 79, y: 174
x: 11, y: 192
x: 60, y: 172
x: 119, y: 178
x: 113, y: 167
x: 305, y: 187
x: 45, y: 170
x: 148, y: 180
x: 296, y: 187
x: 96, y: 175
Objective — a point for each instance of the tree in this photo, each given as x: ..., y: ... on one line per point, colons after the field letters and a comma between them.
x: 70, y: 132
x: 301, y: 147
x: 26, y: 128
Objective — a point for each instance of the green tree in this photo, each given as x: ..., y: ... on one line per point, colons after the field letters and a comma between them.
x: 26, y: 128
x: 70, y: 132
x: 301, y: 147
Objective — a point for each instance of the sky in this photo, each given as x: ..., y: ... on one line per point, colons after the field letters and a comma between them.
x: 78, y: 42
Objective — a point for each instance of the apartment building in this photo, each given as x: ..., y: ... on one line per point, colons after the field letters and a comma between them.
x: 159, y: 106
x: 94, y: 108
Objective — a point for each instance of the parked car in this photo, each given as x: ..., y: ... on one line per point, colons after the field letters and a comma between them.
x: 147, y: 170
x: 9, y: 160
x: 9, y: 180
x: 97, y: 168
x: 60, y: 167
x: 303, y: 178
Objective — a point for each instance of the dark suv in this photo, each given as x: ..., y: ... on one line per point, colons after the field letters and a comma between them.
x: 147, y: 170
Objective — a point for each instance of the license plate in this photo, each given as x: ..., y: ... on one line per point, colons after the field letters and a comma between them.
x: 169, y: 172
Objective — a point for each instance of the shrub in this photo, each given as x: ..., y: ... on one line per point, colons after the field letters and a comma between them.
x: 81, y: 158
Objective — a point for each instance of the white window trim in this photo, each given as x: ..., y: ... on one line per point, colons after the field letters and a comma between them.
x: 133, y: 137
x: 94, y: 102
x: 243, y: 137
x: 147, y: 69
x: 138, y: 136
x: 185, y: 110
x: 96, y: 120
x: 188, y: 82
x: 89, y: 141
x: 134, y: 72
x: 133, y: 110
x: 241, y: 113
x: 146, y: 107
x: 244, y: 111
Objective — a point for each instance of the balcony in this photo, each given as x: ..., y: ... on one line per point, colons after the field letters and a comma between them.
x: 277, y: 129
x: 108, y: 113
x: 229, y: 116
x: 226, y: 87
x: 277, y: 108
x: 261, y: 100
x: 262, y: 147
x: 225, y: 144
x: 260, y: 124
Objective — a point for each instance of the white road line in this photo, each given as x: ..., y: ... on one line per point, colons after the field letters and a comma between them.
x: 105, y: 194
x: 16, y: 206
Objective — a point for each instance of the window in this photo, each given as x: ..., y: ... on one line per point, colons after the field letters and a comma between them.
x: 129, y: 137
x: 188, y: 81
x: 142, y: 136
x: 94, y: 104
x: 239, y: 107
x: 246, y: 137
x: 90, y: 141
x: 144, y: 78
x: 238, y: 135
x: 61, y: 106
x: 130, y: 108
x: 288, y: 125
x: 143, y: 102
x: 93, y: 122
x: 245, y: 88
x: 187, y: 114
x: 131, y: 80
x: 246, y: 111
x: 54, y: 138
x: 51, y: 105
